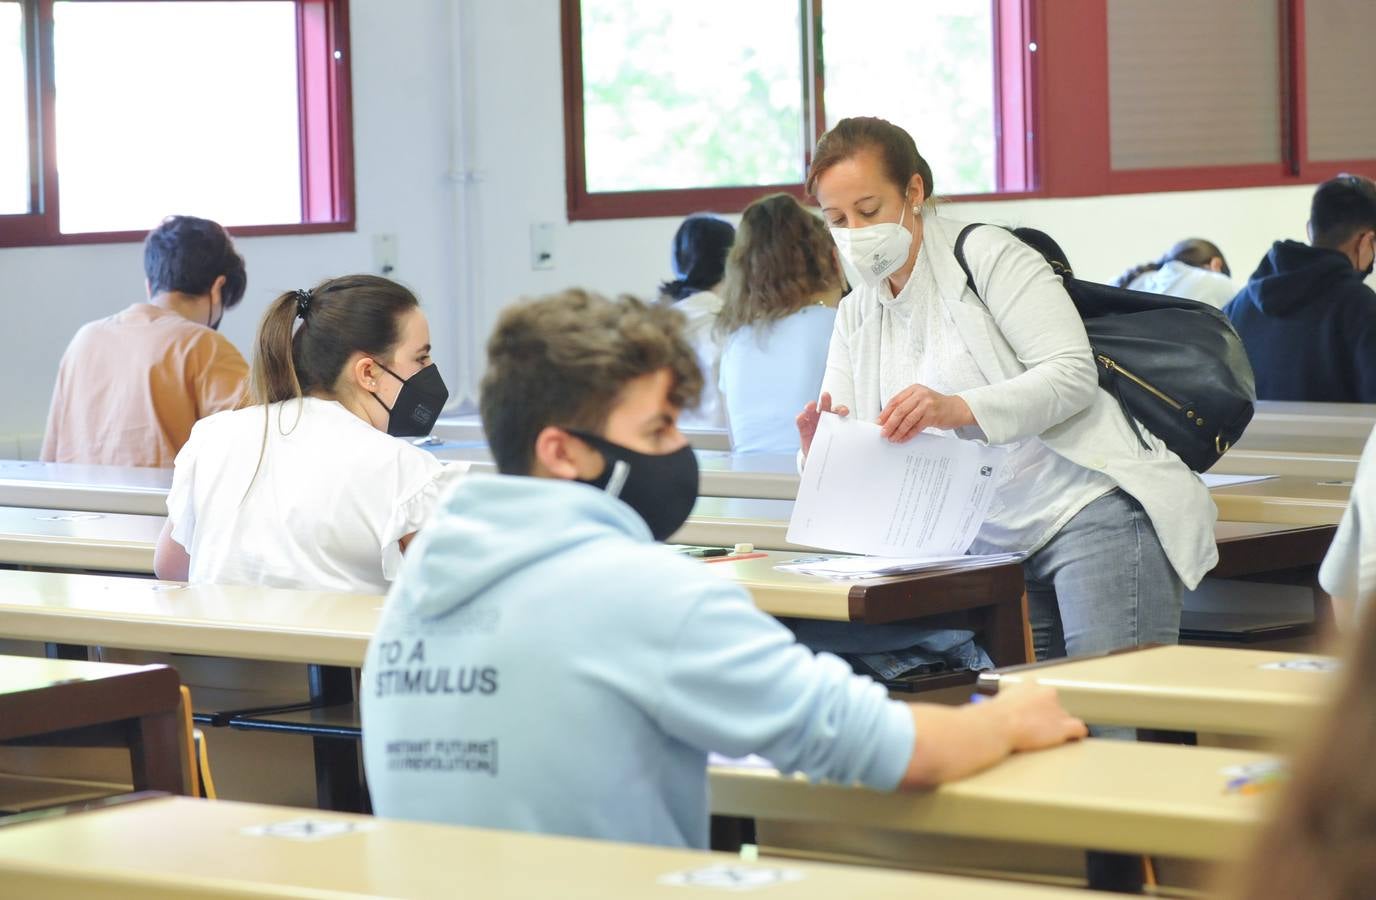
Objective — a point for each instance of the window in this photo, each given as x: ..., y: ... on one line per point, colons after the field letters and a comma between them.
x: 1037, y: 98
x: 14, y: 117
x: 236, y: 110
x: 668, y: 110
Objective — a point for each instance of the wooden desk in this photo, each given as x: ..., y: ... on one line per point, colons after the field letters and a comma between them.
x: 55, y: 701
x: 178, y: 849
x: 64, y: 539
x: 1288, y: 500
x: 1209, y: 689
x: 1342, y: 420
x: 1101, y: 795
x: 108, y: 489
x: 992, y: 593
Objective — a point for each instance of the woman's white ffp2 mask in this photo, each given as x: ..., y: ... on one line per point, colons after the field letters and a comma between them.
x: 874, y: 252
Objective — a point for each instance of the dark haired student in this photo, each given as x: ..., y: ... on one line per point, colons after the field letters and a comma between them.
x: 130, y: 386
x: 1114, y: 531
x: 701, y: 244
x: 1307, y: 316
x: 543, y: 664
x: 310, y: 487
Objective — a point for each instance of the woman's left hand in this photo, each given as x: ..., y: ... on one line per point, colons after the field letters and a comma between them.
x: 917, y: 407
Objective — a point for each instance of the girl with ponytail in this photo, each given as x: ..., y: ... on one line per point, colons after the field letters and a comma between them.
x: 310, y: 487
x: 1193, y: 269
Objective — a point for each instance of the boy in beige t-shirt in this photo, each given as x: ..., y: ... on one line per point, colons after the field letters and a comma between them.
x: 130, y: 386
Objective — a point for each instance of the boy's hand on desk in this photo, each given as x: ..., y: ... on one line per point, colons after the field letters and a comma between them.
x: 1035, y: 718
x: 812, y: 414
x: 917, y: 407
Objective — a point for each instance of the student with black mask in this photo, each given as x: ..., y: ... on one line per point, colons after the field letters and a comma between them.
x: 1306, y: 316
x: 699, y: 259
x: 310, y: 487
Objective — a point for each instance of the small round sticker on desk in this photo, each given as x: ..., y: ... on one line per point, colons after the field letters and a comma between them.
x: 732, y: 877
x: 308, y: 829
x: 1303, y: 665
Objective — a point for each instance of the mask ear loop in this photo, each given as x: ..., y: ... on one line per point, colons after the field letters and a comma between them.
x: 621, y: 470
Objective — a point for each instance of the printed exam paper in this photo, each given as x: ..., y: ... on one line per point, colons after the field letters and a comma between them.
x: 862, y: 494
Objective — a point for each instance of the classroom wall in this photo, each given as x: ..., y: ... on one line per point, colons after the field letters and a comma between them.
x: 401, y: 106
x: 464, y: 242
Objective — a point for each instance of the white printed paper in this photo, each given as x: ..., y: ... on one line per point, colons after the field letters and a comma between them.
x: 850, y: 567
x: 860, y: 493
x: 732, y: 877
x: 1213, y: 481
x: 308, y: 829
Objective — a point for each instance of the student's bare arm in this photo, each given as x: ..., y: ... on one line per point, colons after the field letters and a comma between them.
x: 171, y: 562
x: 953, y: 742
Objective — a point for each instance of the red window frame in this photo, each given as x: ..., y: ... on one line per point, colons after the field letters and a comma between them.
x: 1014, y: 149
x: 1051, y: 110
x: 327, y: 179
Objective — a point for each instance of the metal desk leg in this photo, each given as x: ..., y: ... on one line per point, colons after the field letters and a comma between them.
x: 338, y: 776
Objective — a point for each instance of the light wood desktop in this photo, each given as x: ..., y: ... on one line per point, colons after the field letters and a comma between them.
x: 108, y: 489
x: 179, y: 849
x: 1287, y: 500
x: 1102, y: 795
x: 1200, y: 689
x: 67, y: 539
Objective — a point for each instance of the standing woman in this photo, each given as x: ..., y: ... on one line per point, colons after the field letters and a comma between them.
x: 699, y: 257
x: 1114, y: 532
x: 310, y: 488
x: 780, y: 294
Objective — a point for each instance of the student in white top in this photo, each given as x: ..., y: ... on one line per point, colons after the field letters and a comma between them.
x: 1348, y: 572
x: 313, y: 487
x: 1114, y: 532
x: 779, y: 305
x: 699, y: 259
x: 1194, y: 269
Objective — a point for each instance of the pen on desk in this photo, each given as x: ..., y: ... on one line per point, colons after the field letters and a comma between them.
x: 706, y: 552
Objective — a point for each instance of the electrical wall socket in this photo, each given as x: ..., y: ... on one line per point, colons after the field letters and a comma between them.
x: 385, y: 254
x: 542, y: 245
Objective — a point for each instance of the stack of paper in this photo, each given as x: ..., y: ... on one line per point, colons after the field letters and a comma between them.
x: 925, y: 498
x: 846, y: 567
x: 1212, y: 481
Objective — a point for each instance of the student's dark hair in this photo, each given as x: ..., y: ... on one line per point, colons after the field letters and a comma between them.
x: 339, y: 317
x: 895, y: 146
x: 783, y: 258
x: 1319, y: 841
x: 1046, y: 245
x: 186, y: 254
x: 1342, y: 207
x: 564, y: 359
x: 1195, y: 252
x: 700, y: 247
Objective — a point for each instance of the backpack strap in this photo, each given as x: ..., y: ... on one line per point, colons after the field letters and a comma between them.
x: 960, y: 255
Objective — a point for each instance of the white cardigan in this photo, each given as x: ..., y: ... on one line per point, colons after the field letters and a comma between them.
x: 1030, y: 344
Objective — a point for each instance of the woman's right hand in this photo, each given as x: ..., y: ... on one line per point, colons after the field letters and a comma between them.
x: 812, y: 414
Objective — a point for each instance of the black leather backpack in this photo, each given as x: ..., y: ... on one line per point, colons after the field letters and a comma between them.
x: 1176, y: 366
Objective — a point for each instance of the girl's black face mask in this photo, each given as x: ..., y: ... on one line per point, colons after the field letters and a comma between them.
x: 418, y: 403
x: 661, y: 488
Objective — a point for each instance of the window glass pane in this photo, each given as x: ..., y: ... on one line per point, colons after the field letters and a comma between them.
x: 939, y: 87
x: 176, y: 108
x: 691, y: 94
x: 1339, y: 72
x: 14, y: 119
x: 1203, y: 95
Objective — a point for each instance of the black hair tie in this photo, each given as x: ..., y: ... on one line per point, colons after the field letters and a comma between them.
x: 303, y: 302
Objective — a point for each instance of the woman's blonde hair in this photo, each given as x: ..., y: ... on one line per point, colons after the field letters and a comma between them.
x: 782, y: 259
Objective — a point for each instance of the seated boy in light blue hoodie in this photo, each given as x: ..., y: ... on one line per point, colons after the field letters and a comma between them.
x: 544, y: 664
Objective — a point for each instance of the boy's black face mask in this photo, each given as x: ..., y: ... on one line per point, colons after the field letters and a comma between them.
x: 661, y: 488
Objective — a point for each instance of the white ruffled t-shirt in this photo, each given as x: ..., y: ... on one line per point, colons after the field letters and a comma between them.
x: 332, y: 500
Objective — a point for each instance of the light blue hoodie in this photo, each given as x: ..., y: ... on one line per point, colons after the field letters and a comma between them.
x: 542, y: 665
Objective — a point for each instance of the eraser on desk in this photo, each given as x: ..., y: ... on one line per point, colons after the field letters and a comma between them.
x: 744, y: 548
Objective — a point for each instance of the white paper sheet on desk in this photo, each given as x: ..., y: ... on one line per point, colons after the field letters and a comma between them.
x: 848, y: 567
x: 860, y: 493
x: 1213, y: 481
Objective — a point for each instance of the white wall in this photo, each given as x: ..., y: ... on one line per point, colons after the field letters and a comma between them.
x: 401, y: 108
x: 509, y: 106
